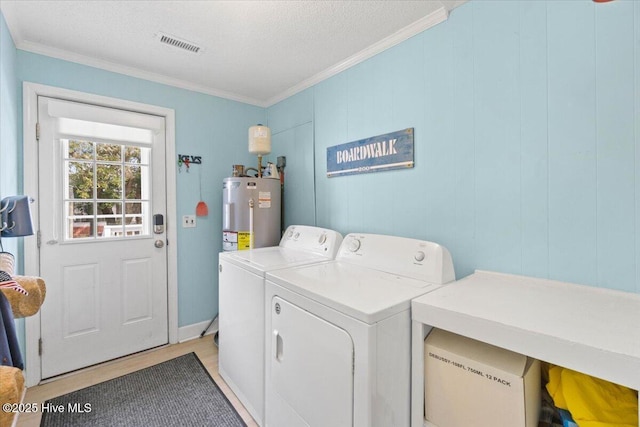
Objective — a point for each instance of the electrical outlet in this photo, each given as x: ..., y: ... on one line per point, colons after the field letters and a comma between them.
x: 188, y: 221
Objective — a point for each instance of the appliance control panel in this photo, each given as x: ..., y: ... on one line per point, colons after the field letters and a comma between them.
x: 418, y: 259
x: 315, y: 239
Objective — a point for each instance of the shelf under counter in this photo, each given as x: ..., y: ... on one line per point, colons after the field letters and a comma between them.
x: 591, y: 330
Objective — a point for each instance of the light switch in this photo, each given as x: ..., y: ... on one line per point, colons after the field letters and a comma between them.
x: 188, y: 221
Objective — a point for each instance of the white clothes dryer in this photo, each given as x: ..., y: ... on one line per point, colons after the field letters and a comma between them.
x: 241, y: 306
x: 338, y: 338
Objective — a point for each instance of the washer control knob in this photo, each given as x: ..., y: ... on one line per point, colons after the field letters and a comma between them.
x: 419, y: 256
x: 354, y: 245
x: 295, y: 236
x: 322, y: 238
x: 289, y: 234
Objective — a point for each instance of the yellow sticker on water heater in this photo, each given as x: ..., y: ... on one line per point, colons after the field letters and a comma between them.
x: 244, y: 240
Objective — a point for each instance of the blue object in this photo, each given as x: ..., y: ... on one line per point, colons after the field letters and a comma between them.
x: 16, y: 217
x: 567, y: 420
x: 9, y: 348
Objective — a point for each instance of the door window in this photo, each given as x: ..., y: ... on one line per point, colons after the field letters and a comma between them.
x: 107, y: 194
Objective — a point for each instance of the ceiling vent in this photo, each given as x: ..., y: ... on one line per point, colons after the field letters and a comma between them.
x: 179, y: 43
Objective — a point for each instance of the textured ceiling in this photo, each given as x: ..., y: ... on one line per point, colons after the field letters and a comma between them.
x: 252, y: 51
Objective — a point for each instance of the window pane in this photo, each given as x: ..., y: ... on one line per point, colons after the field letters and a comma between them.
x: 79, y: 208
x: 135, y: 217
x: 133, y: 182
x: 80, y: 176
x: 79, y: 228
x: 109, y: 152
x: 110, y: 219
x: 134, y: 208
x: 109, y: 181
x: 132, y: 155
x: 110, y: 211
x: 80, y: 150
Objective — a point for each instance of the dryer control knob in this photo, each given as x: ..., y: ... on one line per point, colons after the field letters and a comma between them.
x: 295, y: 236
x: 289, y: 234
x: 322, y: 238
x: 354, y: 245
x: 419, y: 256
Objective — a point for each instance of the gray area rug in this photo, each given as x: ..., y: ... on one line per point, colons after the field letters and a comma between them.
x: 178, y: 392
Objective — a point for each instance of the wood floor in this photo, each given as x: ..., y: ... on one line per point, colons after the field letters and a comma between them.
x: 203, y: 347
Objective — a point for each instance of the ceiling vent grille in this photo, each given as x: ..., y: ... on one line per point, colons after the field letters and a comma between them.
x: 176, y: 42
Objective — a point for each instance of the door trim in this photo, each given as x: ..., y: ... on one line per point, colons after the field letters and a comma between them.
x: 30, y: 93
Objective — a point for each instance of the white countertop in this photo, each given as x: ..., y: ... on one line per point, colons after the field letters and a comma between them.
x: 588, y: 329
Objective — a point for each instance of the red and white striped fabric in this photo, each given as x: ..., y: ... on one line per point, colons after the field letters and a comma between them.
x: 7, y: 282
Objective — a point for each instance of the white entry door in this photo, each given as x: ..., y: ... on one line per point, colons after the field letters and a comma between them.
x: 101, y: 184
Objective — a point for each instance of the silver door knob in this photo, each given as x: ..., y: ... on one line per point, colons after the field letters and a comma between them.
x: 159, y: 243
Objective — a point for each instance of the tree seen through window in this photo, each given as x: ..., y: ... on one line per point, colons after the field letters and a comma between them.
x: 104, y: 187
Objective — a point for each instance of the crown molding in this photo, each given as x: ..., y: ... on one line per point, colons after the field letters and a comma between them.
x: 132, y: 72
x: 398, y: 37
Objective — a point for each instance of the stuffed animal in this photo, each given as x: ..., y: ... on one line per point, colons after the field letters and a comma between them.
x: 25, y: 295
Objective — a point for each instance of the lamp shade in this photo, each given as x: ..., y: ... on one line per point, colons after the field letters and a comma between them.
x: 259, y: 140
x: 16, y: 216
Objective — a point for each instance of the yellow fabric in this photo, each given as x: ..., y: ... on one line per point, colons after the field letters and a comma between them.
x: 554, y: 387
x: 593, y: 402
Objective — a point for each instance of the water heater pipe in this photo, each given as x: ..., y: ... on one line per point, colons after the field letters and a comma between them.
x: 280, y: 165
x: 250, y: 223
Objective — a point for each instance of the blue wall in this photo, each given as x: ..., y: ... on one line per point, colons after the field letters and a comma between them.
x: 9, y: 147
x: 527, y: 119
x: 207, y: 126
x: 291, y: 124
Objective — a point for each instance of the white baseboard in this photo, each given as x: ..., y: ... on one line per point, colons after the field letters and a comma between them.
x: 189, y: 332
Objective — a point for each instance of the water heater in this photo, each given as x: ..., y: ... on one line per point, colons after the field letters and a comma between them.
x: 250, y: 213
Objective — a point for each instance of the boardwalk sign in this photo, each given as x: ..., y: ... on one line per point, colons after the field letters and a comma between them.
x: 383, y: 152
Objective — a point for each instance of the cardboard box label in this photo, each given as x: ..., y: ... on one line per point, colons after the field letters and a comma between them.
x: 473, y: 370
x: 470, y: 383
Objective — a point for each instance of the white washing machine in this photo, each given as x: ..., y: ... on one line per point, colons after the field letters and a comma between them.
x: 241, y: 306
x: 338, y: 336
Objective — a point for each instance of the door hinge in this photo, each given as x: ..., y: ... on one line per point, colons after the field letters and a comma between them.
x: 39, y: 346
x: 39, y: 239
x: 38, y: 131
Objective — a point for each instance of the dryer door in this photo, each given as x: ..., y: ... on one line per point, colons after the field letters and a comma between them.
x: 311, y: 371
